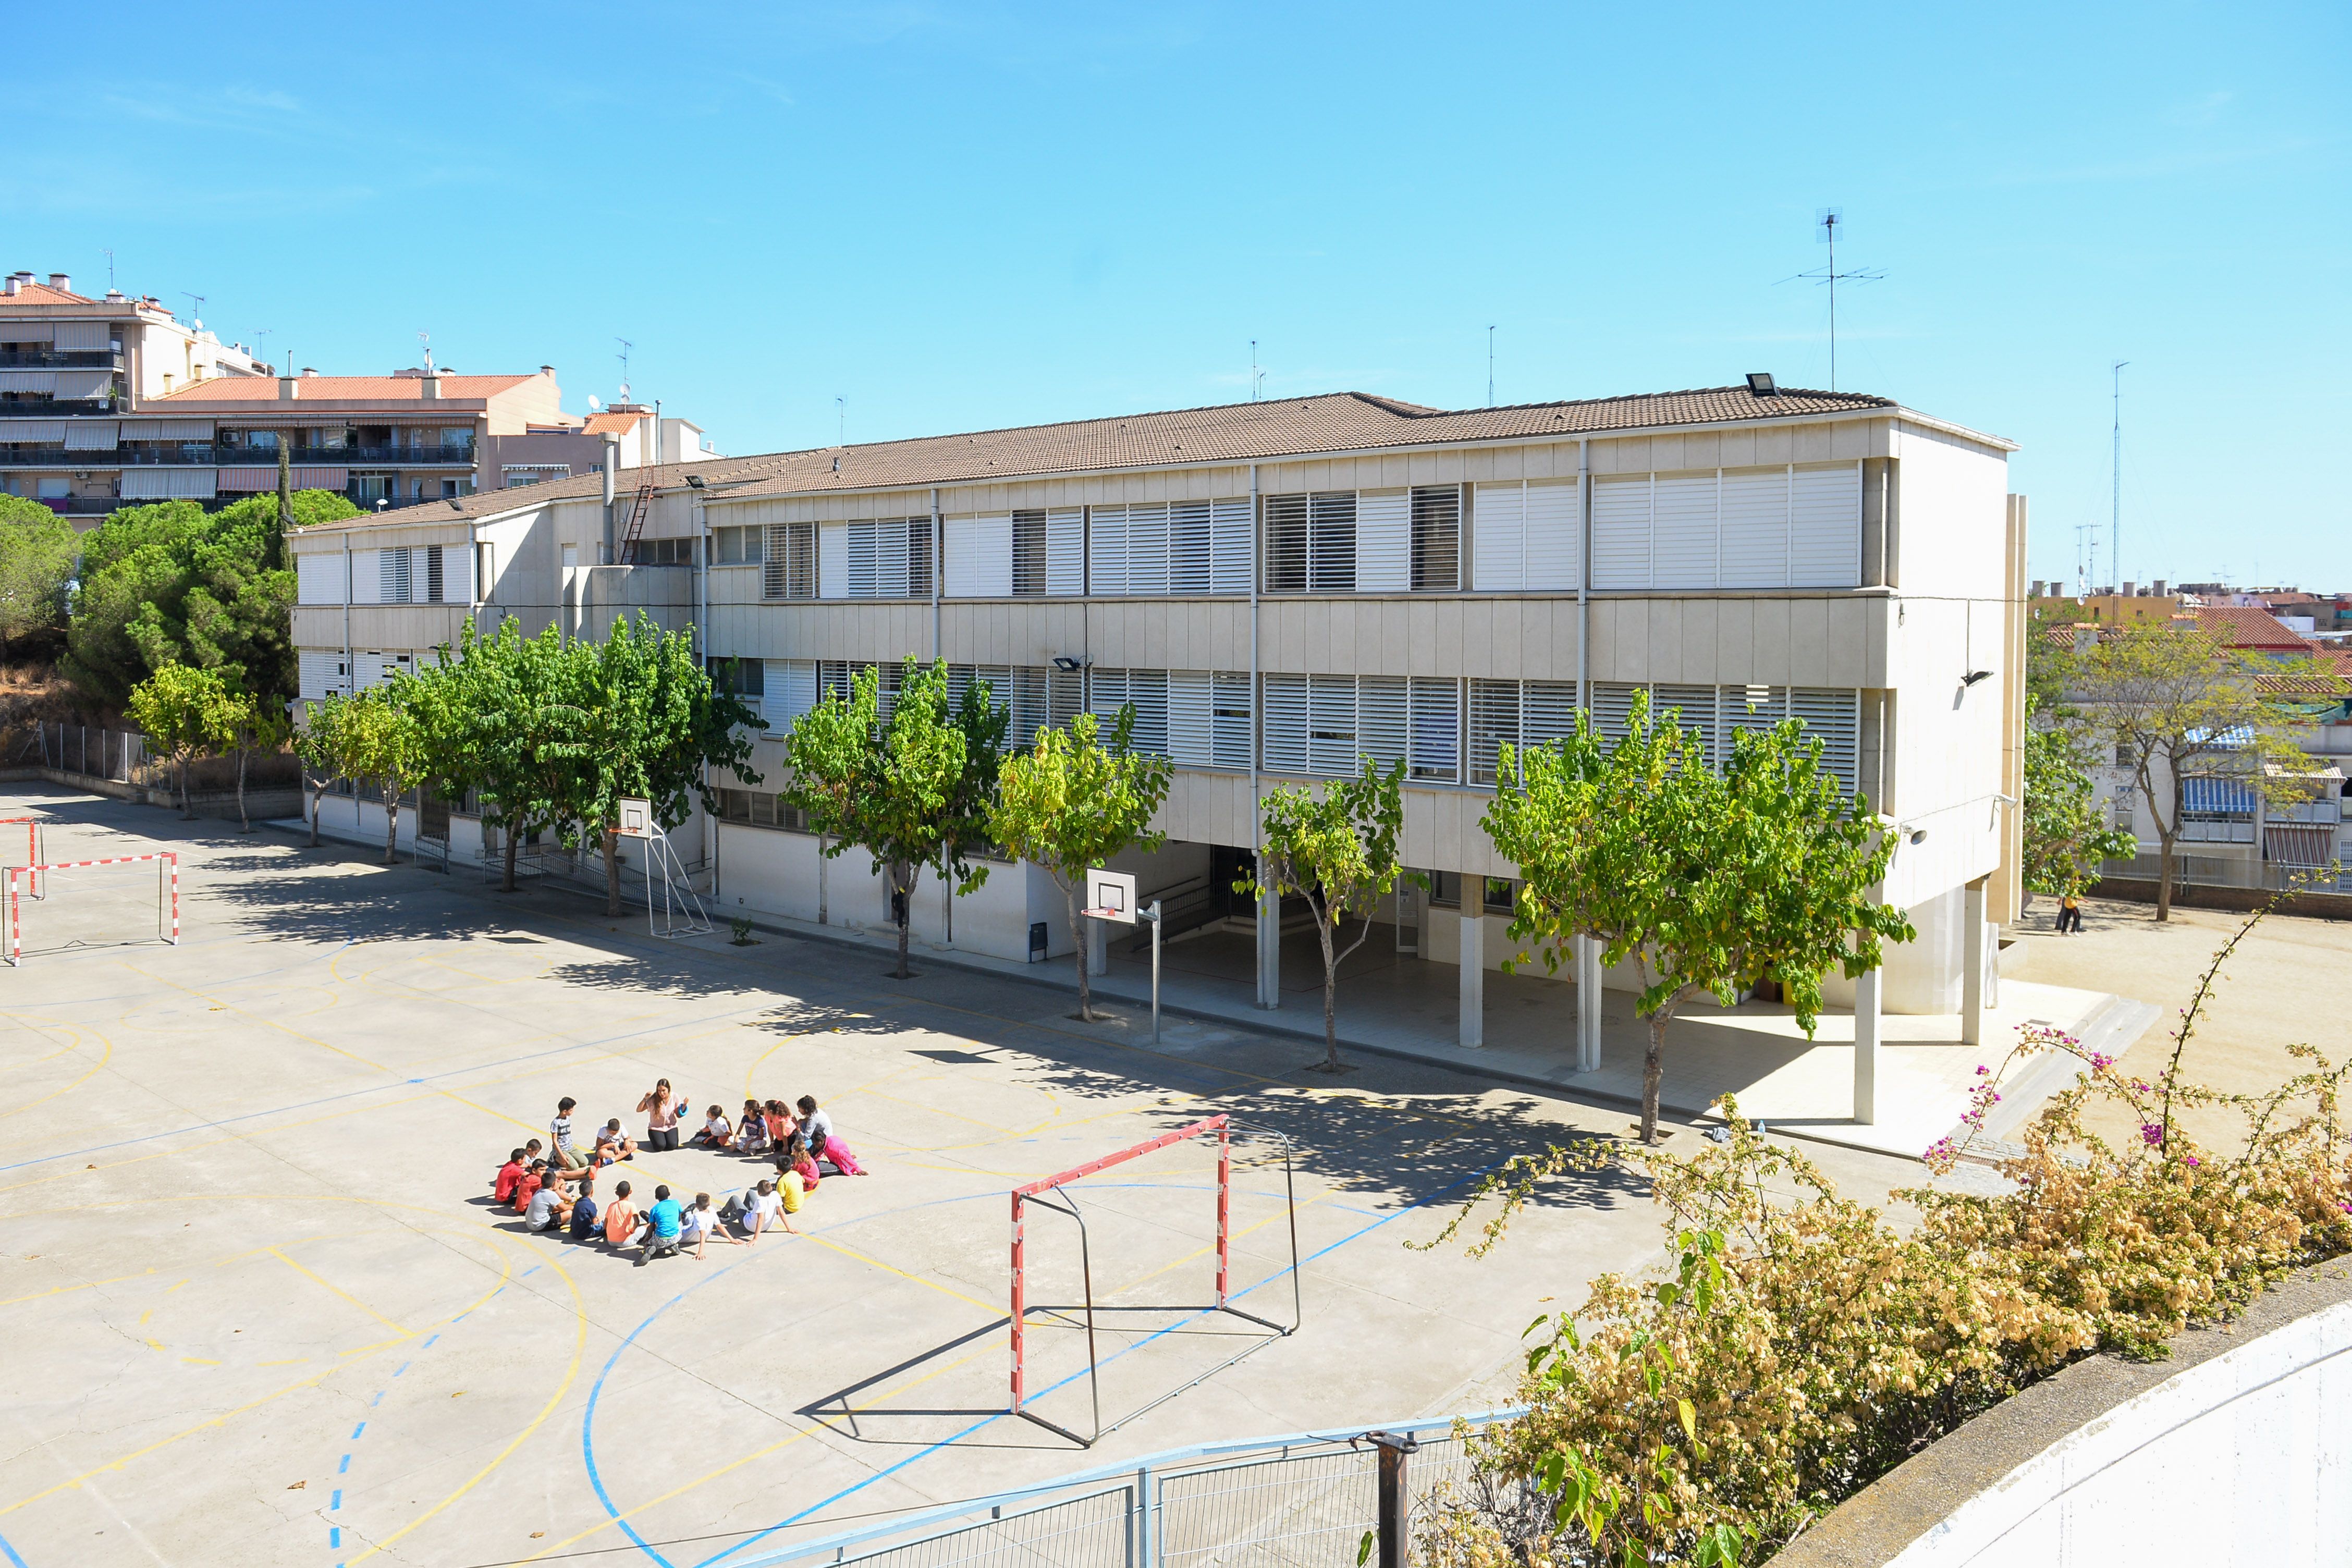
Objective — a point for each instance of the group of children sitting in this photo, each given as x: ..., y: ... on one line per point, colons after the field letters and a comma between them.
x: 557, y: 1192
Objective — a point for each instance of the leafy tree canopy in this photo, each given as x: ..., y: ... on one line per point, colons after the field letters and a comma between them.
x: 2067, y: 835
x: 37, y: 549
x: 184, y: 712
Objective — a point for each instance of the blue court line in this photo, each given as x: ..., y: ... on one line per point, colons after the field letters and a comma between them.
x: 15, y: 1561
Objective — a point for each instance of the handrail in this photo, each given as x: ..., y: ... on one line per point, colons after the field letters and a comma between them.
x: 1108, y: 1478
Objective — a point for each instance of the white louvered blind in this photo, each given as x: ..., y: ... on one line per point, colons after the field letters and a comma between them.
x: 980, y: 556
x: 833, y: 560
x: 1834, y: 716
x: 1066, y: 551
x: 1682, y: 532
x: 1526, y: 536
x: 1435, y: 716
x: 1229, y: 531
x: 319, y: 578
x: 1436, y: 538
x: 1825, y: 527
x: 788, y: 569
x: 889, y: 558
x: 790, y: 690
x: 395, y: 577
x: 1755, y: 523
x: 1284, y: 725
x: 1621, y: 533
x: 1383, y: 541
x: 1208, y: 719
x: 1719, y: 713
x: 323, y: 674
x: 1498, y: 523
x: 1327, y: 725
x: 1146, y: 690
x: 1331, y: 541
x: 1493, y: 720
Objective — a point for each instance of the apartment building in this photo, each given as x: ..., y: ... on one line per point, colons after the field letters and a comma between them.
x: 1281, y: 588
x: 80, y: 381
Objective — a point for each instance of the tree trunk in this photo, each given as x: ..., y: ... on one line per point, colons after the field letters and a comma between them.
x: 612, y: 872
x: 902, y: 900
x: 187, y: 800
x: 243, y: 823
x: 514, y: 842
x: 1086, y: 986
x: 2163, y: 878
x: 1330, y: 1062
x: 315, y: 787
x: 391, y: 826
x: 1654, y: 1072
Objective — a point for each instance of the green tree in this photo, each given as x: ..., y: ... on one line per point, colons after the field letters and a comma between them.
x: 1338, y: 850
x: 657, y: 727
x: 381, y: 744
x: 1073, y: 801
x: 1705, y: 882
x: 903, y: 789
x: 173, y: 583
x: 38, y: 550
x: 318, y: 742
x: 257, y: 726
x: 184, y: 712
x: 2171, y: 703
x: 508, y: 717
x: 2066, y: 834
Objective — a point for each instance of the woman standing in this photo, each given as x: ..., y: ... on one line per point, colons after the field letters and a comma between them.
x: 660, y: 1106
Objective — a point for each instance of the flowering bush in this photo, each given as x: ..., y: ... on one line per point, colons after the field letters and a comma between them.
x: 1800, y: 1347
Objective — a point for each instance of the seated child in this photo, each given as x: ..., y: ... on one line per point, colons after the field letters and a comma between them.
x: 620, y: 1218
x: 534, y: 1177
x: 716, y: 1132
x: 822, y: 1141
x: 700, y: 1223
x: 780, y: 1123
x: 613, y: 1144
x: 793, y: 1159
x: 751, y: 1132
x: 502, y: 1185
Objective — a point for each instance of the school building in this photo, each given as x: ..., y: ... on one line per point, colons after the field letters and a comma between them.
x: 1281, y: 588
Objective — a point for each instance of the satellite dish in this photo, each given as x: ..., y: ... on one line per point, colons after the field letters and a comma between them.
x: 592, y: 404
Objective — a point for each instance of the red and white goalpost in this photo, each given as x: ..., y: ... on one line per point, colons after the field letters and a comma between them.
x: 167, y: 894
x: 32, y: 827
x: 1220, y: 1128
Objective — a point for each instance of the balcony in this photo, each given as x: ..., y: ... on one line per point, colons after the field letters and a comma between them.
x: 56, y: 407
x: 61, y: 359
x: 347, y: 456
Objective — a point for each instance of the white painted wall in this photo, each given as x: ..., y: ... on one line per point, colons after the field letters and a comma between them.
x: 2245, y: 1459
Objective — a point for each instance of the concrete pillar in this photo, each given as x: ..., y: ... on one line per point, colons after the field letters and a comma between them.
x: 1972, y: 963
x: 1587, y: 971
x: 1865, y: 1048
x: 1270, y: 951
x: 1474, y: 973
x: 1097, y: 945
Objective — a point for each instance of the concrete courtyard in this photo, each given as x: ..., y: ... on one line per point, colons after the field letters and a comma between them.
x: 263, y: 1312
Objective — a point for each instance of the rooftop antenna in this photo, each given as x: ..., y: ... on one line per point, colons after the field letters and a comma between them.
x: 426, y: 338
x: 257, y: 344
x: 623, y: 357
x: 197, y: 311
x: 110, y: 269
x: 2115, y: 475
x: 1257, y: 376
x: 2086, y: 550
x: 841, y: 421
x: 1828, y: 222
x: 1490, y: 367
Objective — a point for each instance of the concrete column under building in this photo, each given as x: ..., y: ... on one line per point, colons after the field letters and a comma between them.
x: 1587, y: 973
x: 1270, y: 951
x: 1865, y: 1048
x: 1474, y: 976
x: 1972, y: 962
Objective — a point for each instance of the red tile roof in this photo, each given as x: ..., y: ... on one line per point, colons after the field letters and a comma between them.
x: 42, y: 294
x: 343, y: 388
x: 618, y: 423
x: 2240, y: 626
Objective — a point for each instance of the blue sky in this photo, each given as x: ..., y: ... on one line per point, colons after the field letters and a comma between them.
x: 956, y: 216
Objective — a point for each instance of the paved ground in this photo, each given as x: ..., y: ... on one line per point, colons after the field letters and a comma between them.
x: 261, y: 1311
x: 2274, y: 994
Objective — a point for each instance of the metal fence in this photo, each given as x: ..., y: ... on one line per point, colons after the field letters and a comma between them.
x: 93, y: 752
x: 1301, y: 1502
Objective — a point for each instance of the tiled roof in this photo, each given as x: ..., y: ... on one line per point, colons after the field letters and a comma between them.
x: 668, y: 476
x: 1246, y: 432
x: 342, y: 388
x: 2337, y: 684
x: 42, y: 294
x: 1242, y: 432
x: 618, y: 423
x: 2240, y: 626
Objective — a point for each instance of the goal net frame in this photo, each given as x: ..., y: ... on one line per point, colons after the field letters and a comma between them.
x: 1050, y: 1193
x: 167, y: 895
x: 32, y: 825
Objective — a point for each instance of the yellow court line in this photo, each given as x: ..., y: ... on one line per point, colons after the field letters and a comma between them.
x: 339, y: 1290
x: 100, y: 1066
x: 579, y: 1348
x: 887, y: 1269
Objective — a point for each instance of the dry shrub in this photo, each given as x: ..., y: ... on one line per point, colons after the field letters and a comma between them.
x: 1802, y: 1348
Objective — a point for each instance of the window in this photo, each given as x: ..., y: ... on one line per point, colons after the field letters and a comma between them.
x: 889, y: 558
x: 663, y: 552
x: 1145, y: 691
x: 433, y: 579
x: 486, y: 567
x: 759, y: 809
x: 1208, y: 719
x: 739, y: 546
x: 1522, y: 712
x: 1737, y: 528
x: 1029, y: 552
x: 1436, y: 538
x: 790, y: 557
x: 1526, y: 536
x: 1831, y: 714
x: 745, y: 678
x: 1037, y: 696
x: 1499, y: 894
x: 395, y: 578
x: 1328, y: 724
x: 1311, y: 542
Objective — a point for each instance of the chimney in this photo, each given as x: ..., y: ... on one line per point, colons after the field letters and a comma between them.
x: 307, y: 371
x: 2131, y: 589
x: 429, y: 385
x: 288, y: 389
x: 9, y: 285
x: 61, y: 283
x: 547, y: 370
x: 2160, y: 586
x: 612, y: 461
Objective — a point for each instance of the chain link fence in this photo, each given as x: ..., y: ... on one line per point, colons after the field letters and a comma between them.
x: 1300, y: 1501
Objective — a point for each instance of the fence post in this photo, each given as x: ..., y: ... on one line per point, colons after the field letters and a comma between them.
x: 1146, y: 1508
x: 1396, y: 1496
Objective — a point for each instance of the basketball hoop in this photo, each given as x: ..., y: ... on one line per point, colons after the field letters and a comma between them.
x: 1111, y: 896
x: 636, y: 818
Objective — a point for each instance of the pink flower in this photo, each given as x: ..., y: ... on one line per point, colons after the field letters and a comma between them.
x: 1983, y: 1069
x: 2152, y: 1133
x: 2101, y: 1062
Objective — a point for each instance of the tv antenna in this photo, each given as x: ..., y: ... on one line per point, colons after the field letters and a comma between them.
x: 1490, y: 367
x: 110, y: 269
x: 196, y: 311
x: 2086, y: 555
x: 841, y: 421
x: 2115, y: 475
x: 426, y: 338
x: 623, y: 357
x: 1257, y: 376
x: 1828, y: 222
x: 257, y: 344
